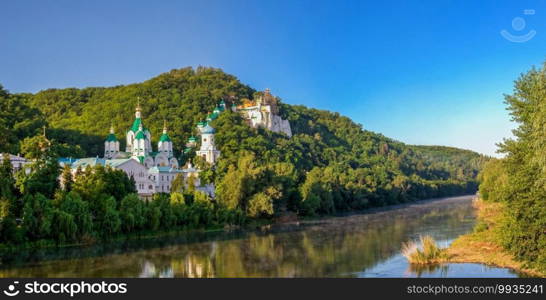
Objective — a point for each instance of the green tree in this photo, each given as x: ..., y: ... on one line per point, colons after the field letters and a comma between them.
x: 37, y: 216
x: 108, y: 220
x: 67, y: 178
x: 73, y: 204
x: 44, y: 171
x: 261, y: 204
x: 7, y: 188
x: 132, y: 213
x: 524, y: 187
x: 63, y: 226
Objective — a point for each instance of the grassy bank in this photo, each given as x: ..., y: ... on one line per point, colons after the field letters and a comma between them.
x: 481, y: 245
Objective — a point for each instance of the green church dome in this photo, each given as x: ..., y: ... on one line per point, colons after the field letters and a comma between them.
x: 111, y: 138
x: 164, y: 138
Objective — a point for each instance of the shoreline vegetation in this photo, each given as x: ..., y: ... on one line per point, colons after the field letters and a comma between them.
x: 252, y: 225
x: 425, y: 252
x: 482, y: 246
x: 512, y: 209
x: 479, y: 246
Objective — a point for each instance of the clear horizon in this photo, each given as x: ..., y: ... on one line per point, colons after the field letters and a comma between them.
x: 421, y: 72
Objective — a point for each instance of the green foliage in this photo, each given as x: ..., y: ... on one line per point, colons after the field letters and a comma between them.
x: 44, y: 170
x: 8, y: 201
x: 63, y: 226
x: 519, y: 179
x: 7, y: 182
x: 427, y: 252
x: 73, y: 204
x: 17, y: 120
x: 493, y: 181
x: 108, y: 221
x: 67, y: 178
x: 93, y: 183
x: 132, y: 213
x: 261, y: 204
x: 178, y: 185
x: 37, y: 216
x: 329, y: 165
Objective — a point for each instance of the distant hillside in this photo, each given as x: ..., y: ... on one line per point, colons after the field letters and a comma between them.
x: 329, y: 164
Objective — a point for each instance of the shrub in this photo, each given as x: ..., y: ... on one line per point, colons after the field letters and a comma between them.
x: 427, y: 253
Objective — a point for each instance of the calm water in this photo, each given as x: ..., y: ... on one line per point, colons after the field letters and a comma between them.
x: 365, y: 245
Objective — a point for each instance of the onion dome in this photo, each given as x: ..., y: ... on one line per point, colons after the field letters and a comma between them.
x: 207, y: 130
x: 111, y: 137
x: 164, y: 137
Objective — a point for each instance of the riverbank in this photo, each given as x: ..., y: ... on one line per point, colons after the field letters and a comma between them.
x: 351, y: 246
x: 254, y: 224
x: 481, y: 246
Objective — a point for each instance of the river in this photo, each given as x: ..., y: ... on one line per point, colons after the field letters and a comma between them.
x: 357, y: 245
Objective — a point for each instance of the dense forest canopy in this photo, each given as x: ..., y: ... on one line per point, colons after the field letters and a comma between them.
x: 330, y: 164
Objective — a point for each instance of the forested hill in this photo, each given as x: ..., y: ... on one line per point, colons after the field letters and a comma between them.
x: 330, y: 164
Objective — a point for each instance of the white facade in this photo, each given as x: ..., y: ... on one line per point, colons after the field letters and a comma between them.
x: 163, y: 178
x: 261, y: 116
x: 111, y: 145
x: 139, y: 146
x: 265, y: 114
x: 138, y: 137
x: 17, y: 162
x: 144, y: 186
x: 208, y: 150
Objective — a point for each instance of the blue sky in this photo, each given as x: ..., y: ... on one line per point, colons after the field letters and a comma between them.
x: 422, y: 72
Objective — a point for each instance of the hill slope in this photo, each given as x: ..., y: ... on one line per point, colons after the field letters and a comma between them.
x: 330, y: 164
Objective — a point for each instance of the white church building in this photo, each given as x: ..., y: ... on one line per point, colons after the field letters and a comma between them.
x: 153, y: 172
x: 264, y: 112
x: 139, y: 145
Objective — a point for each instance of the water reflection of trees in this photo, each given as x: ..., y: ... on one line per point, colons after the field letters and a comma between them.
x: 340, y: 247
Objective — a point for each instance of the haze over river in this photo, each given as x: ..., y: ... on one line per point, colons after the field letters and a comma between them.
x: 358, y: 245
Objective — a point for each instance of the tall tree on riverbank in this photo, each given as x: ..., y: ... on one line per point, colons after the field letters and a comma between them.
x: 520, y: 178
